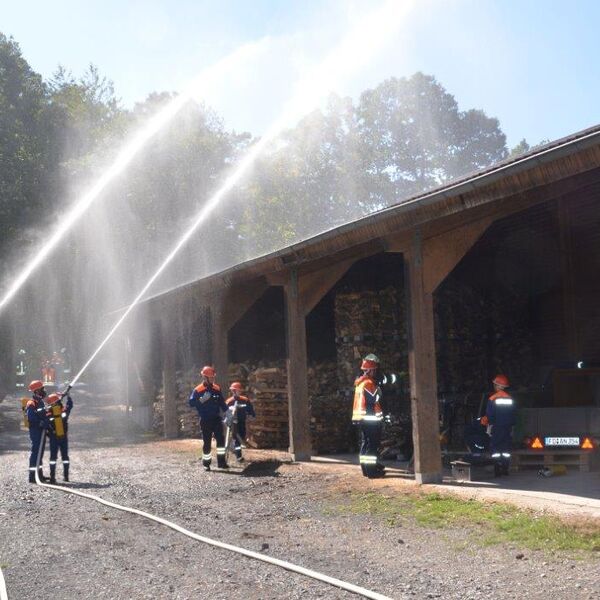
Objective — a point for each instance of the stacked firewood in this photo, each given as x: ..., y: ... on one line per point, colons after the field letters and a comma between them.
x: 187, y: 417
x: 267, y: 386
x: 331, y: 428
x: 373, y: 322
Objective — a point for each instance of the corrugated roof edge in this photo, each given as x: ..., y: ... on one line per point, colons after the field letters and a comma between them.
x: 540, y: 155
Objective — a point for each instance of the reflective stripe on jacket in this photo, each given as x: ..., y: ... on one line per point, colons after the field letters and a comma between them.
x: 500, y: 409
x: 367, y: 396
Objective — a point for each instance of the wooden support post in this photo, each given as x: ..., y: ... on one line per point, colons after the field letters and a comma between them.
x: 220, y: 346
x: 297, y: 373
x: 169, y: 347
x: 422, y: 369
x: 569, y: 297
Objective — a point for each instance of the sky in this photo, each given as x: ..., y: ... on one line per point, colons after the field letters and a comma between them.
x: 530, y: 63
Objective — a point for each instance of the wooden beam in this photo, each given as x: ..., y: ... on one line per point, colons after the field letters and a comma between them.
x: 569, y: 296
x: 238, y: 300
x: 422, y: 369
x: 314, y: 286
x: 297, y: 373
x: 169, y: 352
x: 443, y: 252
x: 220, y: 343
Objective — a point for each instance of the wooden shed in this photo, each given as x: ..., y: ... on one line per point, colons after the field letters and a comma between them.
x: 531, y: 223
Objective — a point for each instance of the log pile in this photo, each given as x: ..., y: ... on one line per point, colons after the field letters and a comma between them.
x: 267, y: 386
x: 331, y: 412
x: 187, y: 417
x: 372, y: 321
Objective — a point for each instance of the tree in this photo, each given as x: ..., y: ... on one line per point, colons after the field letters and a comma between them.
x: 415, y: 138
x: 25, y: 148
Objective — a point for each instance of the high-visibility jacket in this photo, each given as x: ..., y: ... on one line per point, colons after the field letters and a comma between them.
x: 208, y: 400
x: 367, y: 397
x: 58, y: 416
x: 500, y: 410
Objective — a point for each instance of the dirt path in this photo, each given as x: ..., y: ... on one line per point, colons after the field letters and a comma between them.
x: 61, y: 547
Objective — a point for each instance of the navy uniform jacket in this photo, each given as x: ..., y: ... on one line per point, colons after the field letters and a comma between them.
x: 244, y: 407
x: 501, y: 410
x: 36, y: 414
x: 208, y: 400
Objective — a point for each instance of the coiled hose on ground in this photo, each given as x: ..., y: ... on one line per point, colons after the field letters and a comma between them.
x: 350, y: 587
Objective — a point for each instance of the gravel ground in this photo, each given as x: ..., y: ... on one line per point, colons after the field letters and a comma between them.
x: 57, y: 546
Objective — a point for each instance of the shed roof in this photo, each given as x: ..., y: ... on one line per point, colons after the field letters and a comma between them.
x: 552, y: 162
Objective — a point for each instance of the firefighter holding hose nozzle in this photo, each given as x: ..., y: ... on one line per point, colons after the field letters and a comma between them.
x: 239, y: 408
x: 37, y: 422
x: 58, y: 417
x: 367, y: 414
x: 208, y: 400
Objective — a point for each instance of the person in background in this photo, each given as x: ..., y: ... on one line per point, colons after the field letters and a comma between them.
x: 368, y: 416
x: 208, y: 400
x: 500, y: 420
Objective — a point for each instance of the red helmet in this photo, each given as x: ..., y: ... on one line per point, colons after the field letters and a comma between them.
x: 208, y: 371
x: 370, y: 361
x: 501, y: 380
x: 52, y: 399
x: 36, y: 385
x: 236, y: 385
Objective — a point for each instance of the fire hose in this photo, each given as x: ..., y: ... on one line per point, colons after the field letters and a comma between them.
x: 3, y: 592
x: 355, y: 589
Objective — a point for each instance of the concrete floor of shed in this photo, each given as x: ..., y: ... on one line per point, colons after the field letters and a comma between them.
x: 574, y: 494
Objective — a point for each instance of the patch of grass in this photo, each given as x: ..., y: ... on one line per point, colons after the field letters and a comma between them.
x: 492, y: 522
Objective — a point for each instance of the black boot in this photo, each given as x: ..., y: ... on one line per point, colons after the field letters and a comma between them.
x: 32, y: 477
x: 66, y: 473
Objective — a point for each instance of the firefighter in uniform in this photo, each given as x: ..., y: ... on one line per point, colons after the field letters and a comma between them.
x: 367, y: 414
x: 500, y: 419
x: 37, y: 423
x: 239, y: 408
x: 58, y: 416
x: 210, y: 404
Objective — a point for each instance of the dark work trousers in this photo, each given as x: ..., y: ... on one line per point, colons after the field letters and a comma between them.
x: 36, y: 435
x: 239, y: 431
x: 501, y: 445
x: 61, y: 444
x: 370, y: 438
x: 210, y: 427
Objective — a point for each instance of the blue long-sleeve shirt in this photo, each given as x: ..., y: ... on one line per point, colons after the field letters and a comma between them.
x: 208, y: 400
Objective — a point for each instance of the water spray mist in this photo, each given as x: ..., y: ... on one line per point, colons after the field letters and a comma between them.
x: 354, y: 51
x: 212, y: 76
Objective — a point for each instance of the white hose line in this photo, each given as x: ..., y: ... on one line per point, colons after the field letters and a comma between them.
x: 355, y: 589
x: 3, y: 592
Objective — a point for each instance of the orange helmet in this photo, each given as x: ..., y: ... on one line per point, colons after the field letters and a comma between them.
x: 36, y: 385
x: 236, y: 385
x: 370, y: 361
x: 52, y: 399
x: 501, y: 380
x: 208, y: 371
